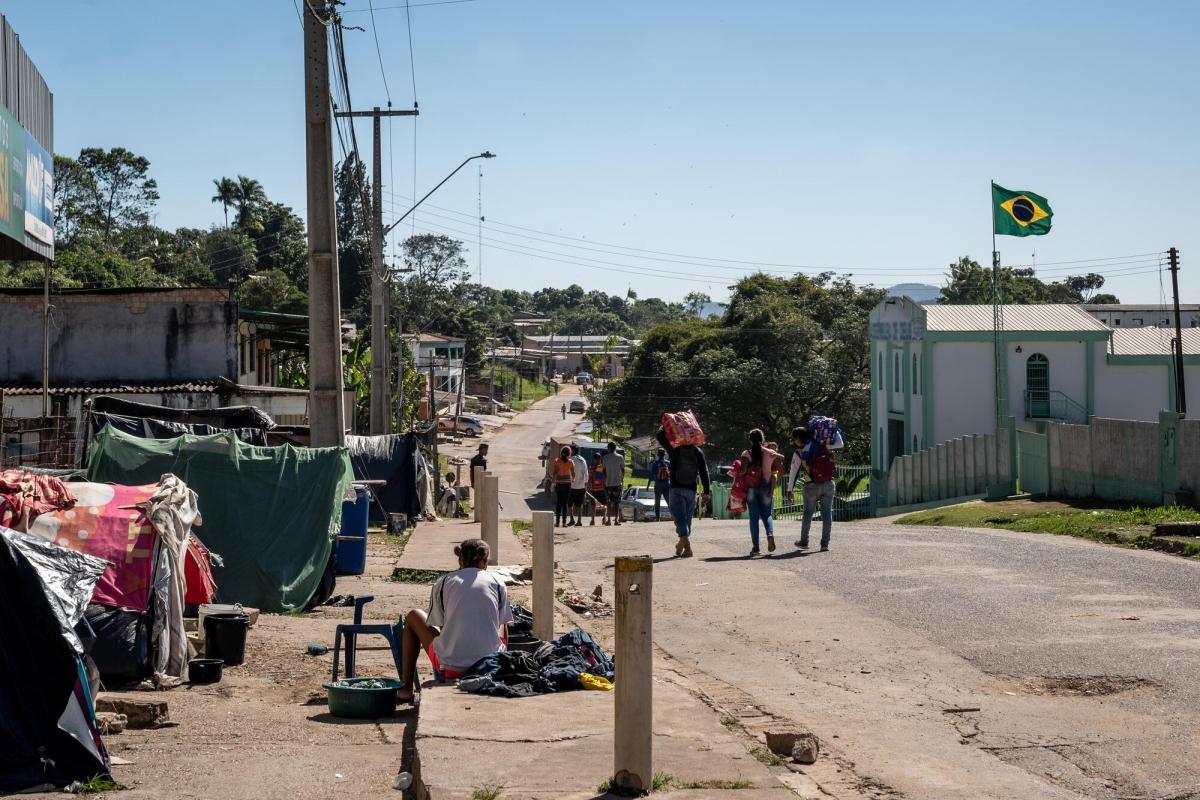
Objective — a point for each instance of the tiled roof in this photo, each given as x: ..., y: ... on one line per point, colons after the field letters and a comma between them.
x: 1153, y: 341
x: 1050, y: 317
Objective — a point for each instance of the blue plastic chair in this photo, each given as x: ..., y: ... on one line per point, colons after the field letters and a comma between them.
x: 393, y: 633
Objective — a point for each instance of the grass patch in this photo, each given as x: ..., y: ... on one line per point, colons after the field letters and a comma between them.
x: 767, y: 757
x: 1131, y: 526
x: 660, y: 781
x: 731, y: 724
x: 406, y: 575
x: 396, y: 540
x: 487, y: 792
x: 102, y: 782
x: 740, y: 783
x: 519, y: 525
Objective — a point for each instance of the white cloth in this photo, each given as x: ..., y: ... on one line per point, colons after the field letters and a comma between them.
x: 579, y: 477
x: 469, y: 605
x: 172, y: 511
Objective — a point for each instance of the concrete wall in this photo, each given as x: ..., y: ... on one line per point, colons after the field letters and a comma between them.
x: 963, y: 398
x: 177, y: 335
x: 1070, y: 449
x: 1131, y: 391
x: 1125, y: 461
x: 967, y: 466
x: 1189, y: 454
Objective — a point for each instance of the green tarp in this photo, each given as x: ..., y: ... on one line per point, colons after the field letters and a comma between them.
x: 270, y: 513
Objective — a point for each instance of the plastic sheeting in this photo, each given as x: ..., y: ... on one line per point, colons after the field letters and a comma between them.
x: 227, y: 417
x: 151, y: 428
x: 47, y: 728
x: 269, y: 512
x: 391, y: 458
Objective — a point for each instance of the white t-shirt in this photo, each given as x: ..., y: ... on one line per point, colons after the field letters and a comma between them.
x: 579, y: 478
x: 469, y: 605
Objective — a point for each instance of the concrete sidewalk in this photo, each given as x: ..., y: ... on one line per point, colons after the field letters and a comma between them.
x: 431, y: 545
x: 560, y: 747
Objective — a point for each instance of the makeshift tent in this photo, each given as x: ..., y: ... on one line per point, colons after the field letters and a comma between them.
x: 48, y: 731
x: 151, y: 428
x: 136, y: 611
x: 392, y: 458
x: 270, y: 513
x: 225, y: 417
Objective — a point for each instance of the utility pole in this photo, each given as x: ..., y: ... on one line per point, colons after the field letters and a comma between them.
x: 379, y: 338
x: 46, y: 342
x: 492, y: 394
x: 437, y: 467
x: 327, y: 420
x: 1180, y: 383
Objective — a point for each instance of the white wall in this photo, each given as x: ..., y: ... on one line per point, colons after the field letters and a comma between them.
x: 917, y: 428
x: 1068, y: 372
x: 964, y: 400
x: 1131, y: 391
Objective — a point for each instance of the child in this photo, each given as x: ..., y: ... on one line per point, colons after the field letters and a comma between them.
x: 448, y: 504
x: 737, y: 493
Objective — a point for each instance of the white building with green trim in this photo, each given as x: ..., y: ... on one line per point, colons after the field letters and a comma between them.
x: 934, y: 376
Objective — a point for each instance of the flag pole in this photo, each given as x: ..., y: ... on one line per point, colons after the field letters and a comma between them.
x: 997, y: 316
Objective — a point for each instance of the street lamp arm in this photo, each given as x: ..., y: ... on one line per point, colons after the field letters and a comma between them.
x: 484, y: 154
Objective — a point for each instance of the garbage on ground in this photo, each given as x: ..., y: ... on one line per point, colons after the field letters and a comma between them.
x: 315, y: 649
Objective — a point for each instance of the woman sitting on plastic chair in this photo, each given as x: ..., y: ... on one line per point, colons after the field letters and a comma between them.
x: 467, y: 619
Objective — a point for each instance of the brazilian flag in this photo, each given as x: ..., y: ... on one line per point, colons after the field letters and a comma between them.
x: 1020, y: 213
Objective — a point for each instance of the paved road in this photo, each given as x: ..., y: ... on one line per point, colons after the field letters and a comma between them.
x: 875, y: 640
x: 513, y: 452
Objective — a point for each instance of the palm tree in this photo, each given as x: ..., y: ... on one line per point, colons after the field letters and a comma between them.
x: 227, y: 192
x: 249, y: 197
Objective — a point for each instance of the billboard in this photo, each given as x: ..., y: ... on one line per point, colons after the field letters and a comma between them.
x: 39, y: 191
x: 12, y: 176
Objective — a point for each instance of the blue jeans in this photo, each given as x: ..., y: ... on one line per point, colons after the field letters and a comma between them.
x: 814, y: 494
x: 760, y: 502
x: 682, y: 503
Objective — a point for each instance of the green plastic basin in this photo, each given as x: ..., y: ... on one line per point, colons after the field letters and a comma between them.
x: 353, y: 701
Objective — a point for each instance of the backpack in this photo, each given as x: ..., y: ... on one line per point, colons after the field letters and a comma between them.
x: 823, y: 467
x: 752, y: 476
x: 687, y: 466
x: 663, y: 473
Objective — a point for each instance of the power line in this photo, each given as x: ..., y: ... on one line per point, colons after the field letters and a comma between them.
x: 379, y: 53
x: 407, y: 6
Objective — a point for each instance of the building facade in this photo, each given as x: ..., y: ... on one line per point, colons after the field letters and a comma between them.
x: 1133, y: 315
x: 934, y: 375
x: 445, y: 356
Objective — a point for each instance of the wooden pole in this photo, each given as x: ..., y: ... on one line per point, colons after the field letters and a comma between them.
x: 489, y: 517
x: 543, y: 575
x: 633, y: 718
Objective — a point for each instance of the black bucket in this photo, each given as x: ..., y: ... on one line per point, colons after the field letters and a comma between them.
x: 225, y: 637
x: 205, y: 670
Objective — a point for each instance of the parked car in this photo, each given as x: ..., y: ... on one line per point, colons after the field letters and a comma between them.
x: 637, y: 504
x: 470, y: 426
x: 577, y: 407
x: 583, y: 378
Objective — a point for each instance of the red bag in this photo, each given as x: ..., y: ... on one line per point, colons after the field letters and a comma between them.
x: 682, y: 428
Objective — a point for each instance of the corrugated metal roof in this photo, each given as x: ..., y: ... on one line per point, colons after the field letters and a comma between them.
x: 1153, y: 341
x: 1141, y: 307
x: 1025, y: 319
x: 112, y: 388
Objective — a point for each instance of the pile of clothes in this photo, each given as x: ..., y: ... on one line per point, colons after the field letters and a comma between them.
x: 574, y: 661
x: 26, y: 495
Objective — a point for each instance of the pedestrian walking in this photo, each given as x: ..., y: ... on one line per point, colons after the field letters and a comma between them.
x: 477, y: 460
x: 758, y: 466
x: 579, y: 482
x: 814, y: 461
x: 596, y: 489
x: 614, y: 482
x: 563, y: 472
x: 564, y: 410
x: 688, y: 468
x: 660, y: 477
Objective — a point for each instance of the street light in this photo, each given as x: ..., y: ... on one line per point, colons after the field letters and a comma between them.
x: 484, y: 154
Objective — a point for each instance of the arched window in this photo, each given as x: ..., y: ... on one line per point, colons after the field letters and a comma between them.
x: 1037, y: 386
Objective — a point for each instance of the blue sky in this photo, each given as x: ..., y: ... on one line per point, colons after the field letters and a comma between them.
x: 855, y: 137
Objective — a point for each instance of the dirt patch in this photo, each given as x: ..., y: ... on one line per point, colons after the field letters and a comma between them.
x: 1073, y: 685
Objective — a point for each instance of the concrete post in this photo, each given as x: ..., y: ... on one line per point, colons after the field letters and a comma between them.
x: 543, y: 575
x: 489, y: 516
x: 633, y: 717
x: 476, y: 490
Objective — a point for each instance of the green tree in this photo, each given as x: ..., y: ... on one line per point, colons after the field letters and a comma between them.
x: 229, y: 253
x: 354, y: 239
x: 74, y: 187
x: 969, y: 283
x: 227, y: 195
x: 695, y: 302
x: 122, y: 194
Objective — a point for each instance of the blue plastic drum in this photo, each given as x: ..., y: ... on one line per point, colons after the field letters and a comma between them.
x: 350, y: 548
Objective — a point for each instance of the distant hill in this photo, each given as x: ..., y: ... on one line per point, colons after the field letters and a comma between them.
x: 711, y: 310
x: 920, y: 292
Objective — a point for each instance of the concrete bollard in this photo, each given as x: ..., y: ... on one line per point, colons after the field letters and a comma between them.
x: 489, y: 516
x: 633, y: 695
x: 476, y: 488
x: 543, y: 575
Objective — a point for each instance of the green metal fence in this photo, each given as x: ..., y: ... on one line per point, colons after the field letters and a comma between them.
x: 852, y: 500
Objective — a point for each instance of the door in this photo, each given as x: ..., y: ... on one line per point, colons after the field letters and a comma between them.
x: 1037, y: 387
x: 895, y: 445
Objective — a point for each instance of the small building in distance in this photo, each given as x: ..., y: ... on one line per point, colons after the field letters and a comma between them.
x: 1135, y: 315
x: 574, y: 354
x: 444, y: 356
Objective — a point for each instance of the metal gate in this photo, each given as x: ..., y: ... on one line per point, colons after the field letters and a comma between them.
x: 1033, y: 463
